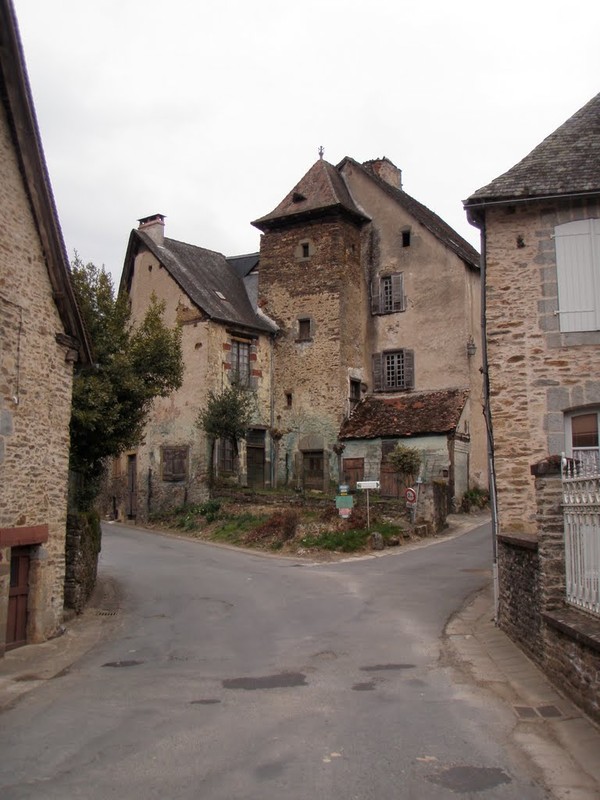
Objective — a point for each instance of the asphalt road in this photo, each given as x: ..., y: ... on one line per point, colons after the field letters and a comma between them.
x: 234, y: 676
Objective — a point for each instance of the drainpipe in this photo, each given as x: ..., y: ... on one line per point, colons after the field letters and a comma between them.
x: 488, y: 422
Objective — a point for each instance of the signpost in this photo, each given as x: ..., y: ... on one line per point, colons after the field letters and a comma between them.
x: 367, y: 485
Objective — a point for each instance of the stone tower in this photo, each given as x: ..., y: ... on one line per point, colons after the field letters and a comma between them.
x: 312, y: 285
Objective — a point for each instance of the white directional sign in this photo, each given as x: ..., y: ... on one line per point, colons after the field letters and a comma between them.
x: 367, y: 484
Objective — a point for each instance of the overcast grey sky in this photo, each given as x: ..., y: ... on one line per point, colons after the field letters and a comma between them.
x: 210, y: 111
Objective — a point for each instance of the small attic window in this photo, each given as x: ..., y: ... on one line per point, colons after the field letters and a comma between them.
x: 220, y: 295
x: 305, y: 250
x: 298, y: 197
x: 406, y: 238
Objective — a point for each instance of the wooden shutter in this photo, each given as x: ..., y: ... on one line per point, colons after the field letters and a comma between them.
x: 398, y: 292
x: 409, y: 369
x: 378, y: 372
x: 174, y: 463
x: 577, y: 265
x: 375, y: 297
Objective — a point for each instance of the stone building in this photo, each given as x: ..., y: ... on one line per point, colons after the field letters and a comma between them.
x: 375, y: 297
x: 224, y: 335
x: 540, y: 225
x: 358, y: 292
x: 42, y: 336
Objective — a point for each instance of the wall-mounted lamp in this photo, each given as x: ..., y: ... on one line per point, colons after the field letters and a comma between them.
x: 471, y: 347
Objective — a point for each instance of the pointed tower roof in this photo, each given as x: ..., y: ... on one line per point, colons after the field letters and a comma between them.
x: 321, y: 191
x: 566, y: 162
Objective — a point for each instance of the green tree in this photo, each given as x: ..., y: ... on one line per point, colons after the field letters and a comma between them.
x: 228, y: 415
x: 133, y: 365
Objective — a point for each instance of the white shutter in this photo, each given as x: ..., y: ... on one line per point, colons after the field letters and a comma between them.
x: 578, y: 272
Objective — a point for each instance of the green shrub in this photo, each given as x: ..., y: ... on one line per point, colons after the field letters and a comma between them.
x: 474, y: 498
x: 406, y: 460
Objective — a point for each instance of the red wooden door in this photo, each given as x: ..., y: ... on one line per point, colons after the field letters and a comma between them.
x: 16, y: 632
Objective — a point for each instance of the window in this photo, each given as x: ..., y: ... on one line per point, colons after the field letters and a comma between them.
x: 304, y: 250
x: 393, y: 371
x: 289, y: 399
x: 354, y: 392
x: 304, y: 330
x: 581, y: 434
x: 578, y: 273
x: 240, y: 361
x: 226, y: 456
x: 174, y: 463
x: 387, y: 294
x: 406, y: 238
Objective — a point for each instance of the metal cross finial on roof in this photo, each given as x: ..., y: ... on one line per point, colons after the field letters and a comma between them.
x: 321, y: 152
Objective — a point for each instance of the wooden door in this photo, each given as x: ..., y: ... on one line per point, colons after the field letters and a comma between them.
x: 18, y: 596
x: 255, y: 458
x: 312, y: 469
x: 353, y: 469
x: 131, y: 501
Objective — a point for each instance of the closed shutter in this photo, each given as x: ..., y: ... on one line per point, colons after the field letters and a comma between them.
x: 377, y: 372
x: 375, y: 297
x: 398, y: 303
x: 409, y: 369
x: 578, y: 266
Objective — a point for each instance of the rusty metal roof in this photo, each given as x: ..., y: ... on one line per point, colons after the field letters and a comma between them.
x: 412, y: 414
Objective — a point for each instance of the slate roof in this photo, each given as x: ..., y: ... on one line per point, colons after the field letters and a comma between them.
x: 322, y: 189
x: 414, y: 414
x: 427, y: 218
x: 15, y: 95
x: 243, y: 265
x: 566, y: 162
x: 201, y: 273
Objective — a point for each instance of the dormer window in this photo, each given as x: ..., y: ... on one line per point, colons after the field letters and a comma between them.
x: 298, y: 197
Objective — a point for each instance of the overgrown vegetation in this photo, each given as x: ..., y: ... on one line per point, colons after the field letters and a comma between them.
x: 406, y: 460
x: 284, y: 529
x: 227, y: 416
x: 475, y: 498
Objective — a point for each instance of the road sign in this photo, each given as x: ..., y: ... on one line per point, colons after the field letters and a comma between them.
x: 367, y: 484
x: 410, y: 495
x: 344, y: 501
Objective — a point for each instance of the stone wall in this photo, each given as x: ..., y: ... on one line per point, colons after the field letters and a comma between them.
x: 35, y: 402
x: 536, y: 372
x: 562, y: 639
x: 83, y: 546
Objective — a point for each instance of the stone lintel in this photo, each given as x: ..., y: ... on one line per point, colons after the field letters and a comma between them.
x: 31, y: 534
x: 526, y: 541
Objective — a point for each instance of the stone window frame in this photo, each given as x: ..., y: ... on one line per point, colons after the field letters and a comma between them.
x: 403, y: 368
x: 305, y: 329
x: 305, y: 250
x: 588, y: 455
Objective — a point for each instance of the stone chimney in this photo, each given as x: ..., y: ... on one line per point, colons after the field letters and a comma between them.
x: 154, y: 226
x: 386, y: 170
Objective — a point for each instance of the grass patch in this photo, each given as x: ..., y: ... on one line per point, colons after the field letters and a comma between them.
x: 235, y: 529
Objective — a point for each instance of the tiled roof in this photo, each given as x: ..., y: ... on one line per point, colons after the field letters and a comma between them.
x: 413, y: 414
x: 321, y: 189
x: 429, y: 219
x: 566, y: 162
x: 202, y: 273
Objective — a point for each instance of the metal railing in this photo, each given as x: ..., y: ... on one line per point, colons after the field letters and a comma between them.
x: 581, y: 511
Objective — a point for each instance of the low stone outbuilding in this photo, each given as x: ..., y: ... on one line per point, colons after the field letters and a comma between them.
x: 41, y: 338
x: 435, y: 423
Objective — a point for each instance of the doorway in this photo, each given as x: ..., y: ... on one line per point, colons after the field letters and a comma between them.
x: 18, y: 597
x: 131, y: 500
